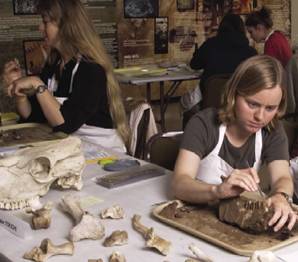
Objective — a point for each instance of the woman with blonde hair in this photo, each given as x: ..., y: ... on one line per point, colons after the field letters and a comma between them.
x: 222, y: 151
x: 77, y: 91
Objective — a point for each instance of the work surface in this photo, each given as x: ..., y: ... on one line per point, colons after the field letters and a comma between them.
x: 137, y: 198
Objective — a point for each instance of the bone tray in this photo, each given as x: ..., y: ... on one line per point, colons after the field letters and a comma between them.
x: 22, y: 134
x: 203, y: 223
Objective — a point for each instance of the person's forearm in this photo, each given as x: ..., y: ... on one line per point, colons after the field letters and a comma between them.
x: 23, y: 107
x: 51, y: 108
x: 190, y: 190
x: 283, y: 184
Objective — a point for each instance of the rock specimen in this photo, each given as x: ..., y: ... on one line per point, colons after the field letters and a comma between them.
x: 29, y: 172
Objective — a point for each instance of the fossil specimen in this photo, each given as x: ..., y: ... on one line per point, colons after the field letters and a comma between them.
x: 47, y: 249
x: 117, y: 257
x: 95, y: 260
x: 263, y: 256
x: 41, y: 217
x: 87, y: 226
x: 115, y: 212
x: 117, y: 238
x: 152, y: 240
x: 200, y: 255
x: 29, y: 172
x: 251, y: 215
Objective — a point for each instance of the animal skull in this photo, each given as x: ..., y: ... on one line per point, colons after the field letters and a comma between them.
x: 30, y: 172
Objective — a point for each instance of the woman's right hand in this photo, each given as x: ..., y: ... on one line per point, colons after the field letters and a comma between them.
x: 238, y: 181
x: 12, y: 71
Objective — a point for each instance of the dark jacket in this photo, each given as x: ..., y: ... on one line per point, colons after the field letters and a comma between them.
x: 221, y: 54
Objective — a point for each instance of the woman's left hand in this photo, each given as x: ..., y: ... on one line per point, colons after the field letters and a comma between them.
x: 283, y: 213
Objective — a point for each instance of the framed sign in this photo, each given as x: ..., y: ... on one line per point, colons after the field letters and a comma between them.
x: 24, y: 7
x: 161, y: 35
x: 185, y: 5
x: 140, y: 9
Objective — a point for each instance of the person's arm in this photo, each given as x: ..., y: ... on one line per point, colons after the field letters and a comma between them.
x: 48, y: 104
x: 199, y: 57
x: 187, y: 188
x: 281, y: 182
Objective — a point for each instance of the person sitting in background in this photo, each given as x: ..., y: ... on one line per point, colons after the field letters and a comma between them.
x: 224, y: 52
x: 220, y: 55
x: 259, y: 25
x: 77, y: 92
x: 222, y: 150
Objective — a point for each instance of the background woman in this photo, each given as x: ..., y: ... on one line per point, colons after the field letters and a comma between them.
x: 76, y: 91
x: 233, y: 142
x: 259, y: 25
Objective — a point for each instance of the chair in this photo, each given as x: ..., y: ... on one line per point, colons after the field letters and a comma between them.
x: 162, y: 149
x: 213, y: 89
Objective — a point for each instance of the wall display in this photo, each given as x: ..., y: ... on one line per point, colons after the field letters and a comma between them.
x: 185, y: 5
x: 161, y: 35
x: 140, y: 8
x: 24, y: 7
x: 35, y: 53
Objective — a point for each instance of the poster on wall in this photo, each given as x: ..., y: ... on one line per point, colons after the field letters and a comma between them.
x: 185, y: 5
x: 24, y: 7
x: 161, y: 32
x: 35, y: 54
x: 140, y: 8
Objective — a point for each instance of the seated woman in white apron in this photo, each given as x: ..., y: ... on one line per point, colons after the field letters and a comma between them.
x: 76, y: 92
x: 222, y: 150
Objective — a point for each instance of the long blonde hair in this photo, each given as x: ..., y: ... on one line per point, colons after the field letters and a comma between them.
x: 251, y: 76
x: 77, y: 35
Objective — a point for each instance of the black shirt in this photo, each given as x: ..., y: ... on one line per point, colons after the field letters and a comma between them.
x: 86, y: 104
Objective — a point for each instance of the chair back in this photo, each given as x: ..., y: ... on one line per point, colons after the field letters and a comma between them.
x: 213, y: 89
x: 142, y: 125
x: 162, y: 149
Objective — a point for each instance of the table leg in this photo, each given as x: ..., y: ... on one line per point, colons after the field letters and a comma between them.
x: 162, y: 106
x: 148, y: 93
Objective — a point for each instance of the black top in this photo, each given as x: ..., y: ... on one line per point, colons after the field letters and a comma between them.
x: 202, y: 133
x: 88, y: 101
x: 221, y: 54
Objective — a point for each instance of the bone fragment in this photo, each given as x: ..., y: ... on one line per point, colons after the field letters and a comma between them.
x: 200, y: 255
x: 262, y: 256
x: 47, y: 249
x: 41, y: 217
x: 115, y: 212
x: 71, y: 204
x: 95, y: 260
x: 90, y: 227
x: 117, y: 238
x: 117, y: 257
x: 152, y: 240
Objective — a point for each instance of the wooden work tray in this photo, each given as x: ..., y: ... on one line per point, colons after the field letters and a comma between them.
x: 208, y: 227
x: 28, y: 133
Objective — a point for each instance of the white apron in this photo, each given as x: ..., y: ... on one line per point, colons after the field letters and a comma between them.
x: 212, y: 167
x: 106, y: 137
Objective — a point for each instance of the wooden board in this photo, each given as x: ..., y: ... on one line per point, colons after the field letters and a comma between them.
x: 28, y: 133
x: 208, y: 227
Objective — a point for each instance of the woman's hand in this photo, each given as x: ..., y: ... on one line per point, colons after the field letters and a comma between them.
x: 23, y: 86
x: 239, y: 180
x: 283, y: 212
x: 11, y: 72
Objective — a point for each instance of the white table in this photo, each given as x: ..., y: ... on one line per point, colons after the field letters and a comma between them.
x: 136, y: 198
x: 176, y: 77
